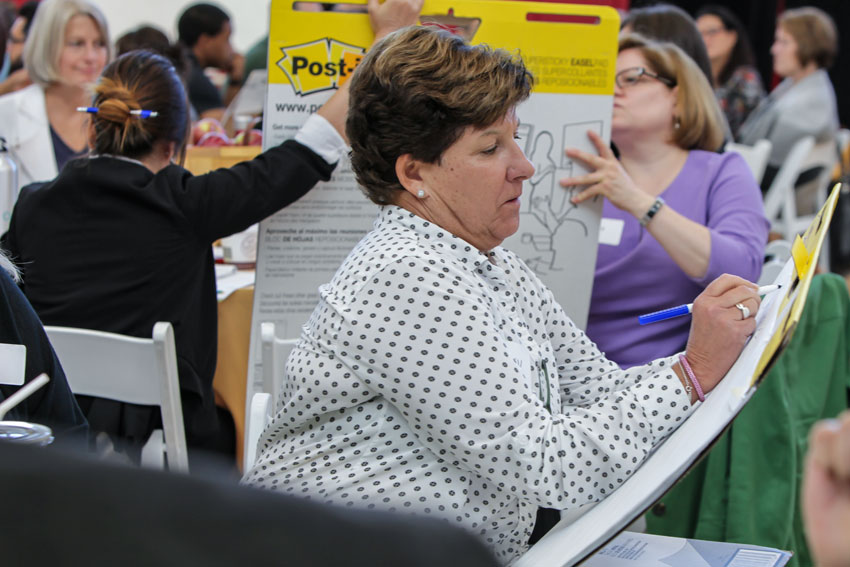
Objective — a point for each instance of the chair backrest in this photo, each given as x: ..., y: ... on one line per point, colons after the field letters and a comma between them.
x: 776, y: 254
x: 842, y: 140
x: 755, y: 156
x: 275, y: 351
x: 780, y: 201
x: 259, y: 415
x: 127, y: 369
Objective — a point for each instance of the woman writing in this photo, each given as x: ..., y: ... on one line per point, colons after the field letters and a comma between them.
x: 803, y: 104
x: 737, y: 83
x: 123, y: 239
x: 684, y: 214
x: 437, y: 374
x: 65, y: 51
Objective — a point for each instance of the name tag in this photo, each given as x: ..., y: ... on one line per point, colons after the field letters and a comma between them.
x: 521, y: 357
x: 611, y: 231
x: 13, y: 362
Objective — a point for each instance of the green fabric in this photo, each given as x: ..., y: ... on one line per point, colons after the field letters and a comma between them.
x: 256, y: 57
x: 747, y: 489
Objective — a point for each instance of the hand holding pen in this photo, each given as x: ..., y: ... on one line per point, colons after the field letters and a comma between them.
x: 680, y: 310
x: 719, y: 330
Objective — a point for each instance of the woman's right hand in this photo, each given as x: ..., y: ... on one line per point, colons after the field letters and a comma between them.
x: 826, y: 492
x: 718, y: 329
x: 391, y: 15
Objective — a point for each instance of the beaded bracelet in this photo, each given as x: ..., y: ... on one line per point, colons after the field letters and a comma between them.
x: 687, y: 367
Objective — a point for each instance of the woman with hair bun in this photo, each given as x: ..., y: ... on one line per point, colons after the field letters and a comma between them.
x: 123, y: 239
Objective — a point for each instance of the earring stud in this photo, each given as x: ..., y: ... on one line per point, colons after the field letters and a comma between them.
x: 421, y: 193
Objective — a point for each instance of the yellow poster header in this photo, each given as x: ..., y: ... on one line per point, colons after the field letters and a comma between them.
x: 568, y: 48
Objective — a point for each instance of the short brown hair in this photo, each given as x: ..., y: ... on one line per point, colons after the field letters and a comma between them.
x: 139, y: 80
x: 416, y: 92
x: 699, y: 116
x: 815, y: 34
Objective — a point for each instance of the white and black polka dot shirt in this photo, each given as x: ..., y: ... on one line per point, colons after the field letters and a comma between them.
x: 432, y: 380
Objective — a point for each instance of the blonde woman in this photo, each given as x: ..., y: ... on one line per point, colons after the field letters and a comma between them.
x: 67, y: 48
x: 682, y: 213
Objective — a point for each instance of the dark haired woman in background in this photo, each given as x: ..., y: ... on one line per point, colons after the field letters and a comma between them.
x: 665, y: 22
x: 737, y: 83
x: 153, y: 39
x: 122, y: 239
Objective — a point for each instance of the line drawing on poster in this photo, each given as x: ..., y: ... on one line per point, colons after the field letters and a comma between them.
x: 547, y: 202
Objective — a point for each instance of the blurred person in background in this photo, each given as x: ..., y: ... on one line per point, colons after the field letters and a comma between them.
x: 803, y: 104
x: 53, y: 404
x: 17, y: 77
x: 67, y: 48
x: 205, y: 29
x: 826, y: 492
x: 686, y: 213
x: 154, y: 39
x: 665, y: 22
x: 18, y: 35
x: 737, y: 83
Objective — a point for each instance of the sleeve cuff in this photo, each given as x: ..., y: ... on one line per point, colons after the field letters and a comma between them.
x: 318, y: 135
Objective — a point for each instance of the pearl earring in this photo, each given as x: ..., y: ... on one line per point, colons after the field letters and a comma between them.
x: 421, y: 193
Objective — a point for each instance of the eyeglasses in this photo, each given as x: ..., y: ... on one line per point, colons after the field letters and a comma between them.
x: 711, y: 32
x: 632, y: 76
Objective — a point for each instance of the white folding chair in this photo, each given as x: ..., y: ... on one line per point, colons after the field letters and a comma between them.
x: 755, y: 156
x: 776, y: 254
x: 259, y: 415
x: 780, y: 204
x: 132, y: 370
x: 824, y: 156
x: 275, y: 351
x: 842, y: 139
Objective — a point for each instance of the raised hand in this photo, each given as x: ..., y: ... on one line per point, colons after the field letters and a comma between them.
x: 608, y: 179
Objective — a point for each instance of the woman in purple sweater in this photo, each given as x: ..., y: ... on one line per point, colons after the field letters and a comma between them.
x: 676, y: 214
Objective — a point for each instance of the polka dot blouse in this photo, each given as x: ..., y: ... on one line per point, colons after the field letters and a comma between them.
x: 433, y: 379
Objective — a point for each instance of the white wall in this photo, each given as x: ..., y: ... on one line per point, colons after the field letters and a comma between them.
x: 250, y: 18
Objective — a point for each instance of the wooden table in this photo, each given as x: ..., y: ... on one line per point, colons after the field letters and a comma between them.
x: 231, y: 371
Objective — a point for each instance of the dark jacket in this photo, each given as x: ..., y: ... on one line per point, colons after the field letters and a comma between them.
x: 111, y: 246
x: 53, y: 404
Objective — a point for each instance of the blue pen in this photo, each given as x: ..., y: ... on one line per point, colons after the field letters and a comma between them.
x: 89, y: 109
x: 686, y: 309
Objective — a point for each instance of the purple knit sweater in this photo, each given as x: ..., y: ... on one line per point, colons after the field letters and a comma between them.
x: 638, y: 276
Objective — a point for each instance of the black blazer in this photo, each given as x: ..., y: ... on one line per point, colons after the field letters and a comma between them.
x: 111, y: 246
x: 52, y: 404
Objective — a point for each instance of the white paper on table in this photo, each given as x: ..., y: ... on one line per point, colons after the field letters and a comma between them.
x: 647, y: 550
x: 581, y: 532
x: 13, y: 361
x: 224, y: 270
x: 229, y: 283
